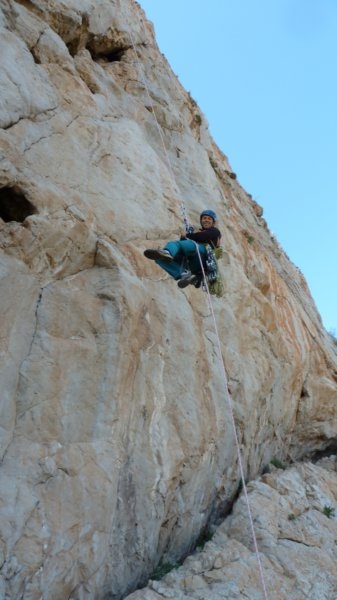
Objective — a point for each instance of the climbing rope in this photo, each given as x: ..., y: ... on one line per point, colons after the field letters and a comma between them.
x: 222, y: 363
x: 237, y: 443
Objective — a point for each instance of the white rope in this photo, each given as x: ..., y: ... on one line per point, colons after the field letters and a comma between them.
x: 231, y: 412
x: 227, y: 395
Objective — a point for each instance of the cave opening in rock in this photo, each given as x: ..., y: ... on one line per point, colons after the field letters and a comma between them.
x: 113, y: 56
x: 107, y: 55
x: 14, y: 206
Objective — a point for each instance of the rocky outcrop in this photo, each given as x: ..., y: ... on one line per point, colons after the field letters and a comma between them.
x: 296, y: 529
x: 117, y: 443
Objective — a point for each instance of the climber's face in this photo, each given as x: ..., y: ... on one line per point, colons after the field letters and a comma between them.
x: 206, y: 222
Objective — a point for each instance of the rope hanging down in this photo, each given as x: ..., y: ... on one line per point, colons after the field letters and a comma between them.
x: 237, y: 443
x: 222, y: 363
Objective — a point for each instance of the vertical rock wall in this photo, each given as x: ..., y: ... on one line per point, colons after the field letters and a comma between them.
x: 117, y: 447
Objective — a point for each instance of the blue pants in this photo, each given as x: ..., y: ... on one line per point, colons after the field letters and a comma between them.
x: 185, y: 256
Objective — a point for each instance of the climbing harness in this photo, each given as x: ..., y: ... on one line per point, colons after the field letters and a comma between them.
x: 207, y: 282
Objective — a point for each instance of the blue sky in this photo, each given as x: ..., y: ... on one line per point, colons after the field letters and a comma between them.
x: 265, y: 76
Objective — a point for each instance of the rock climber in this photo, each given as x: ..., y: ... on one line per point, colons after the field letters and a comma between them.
x: 180, y: 258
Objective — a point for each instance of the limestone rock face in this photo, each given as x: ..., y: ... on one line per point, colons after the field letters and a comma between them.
x: 296, y: 530
x: 117, y: 439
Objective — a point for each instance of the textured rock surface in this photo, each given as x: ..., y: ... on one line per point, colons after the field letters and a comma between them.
x: 296, y: 531
x: 117, y: 446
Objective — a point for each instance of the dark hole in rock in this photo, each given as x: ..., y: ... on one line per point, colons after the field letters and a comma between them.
x: 114, y: 56
x: 108, y: 55
x: 73, y: 48
x: 97, y: 55
x: 329, y: 450
x: 14, y: 206
x: 304, y: 393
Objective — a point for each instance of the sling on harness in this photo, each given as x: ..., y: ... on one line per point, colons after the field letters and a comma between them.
x: 211, y: 264
x: 214, y: 280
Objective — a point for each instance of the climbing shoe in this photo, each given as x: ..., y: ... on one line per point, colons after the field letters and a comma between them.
x: 186, y: 279
x: 158, y: 254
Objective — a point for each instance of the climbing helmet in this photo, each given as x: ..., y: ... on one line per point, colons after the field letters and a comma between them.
x: 209, y: 213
